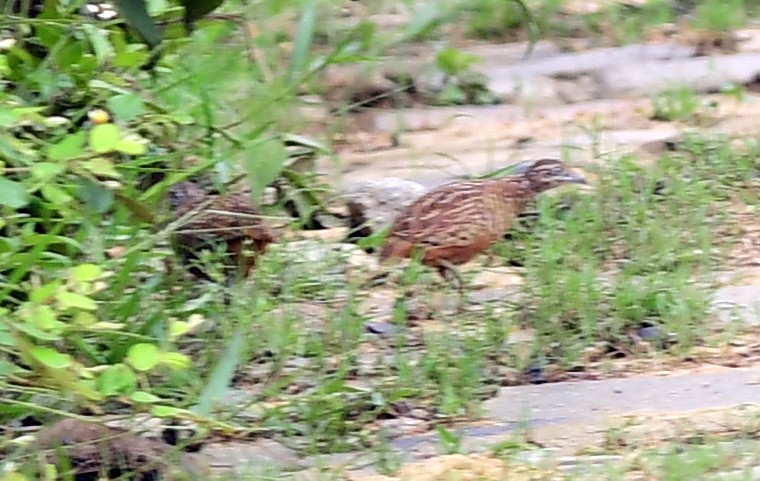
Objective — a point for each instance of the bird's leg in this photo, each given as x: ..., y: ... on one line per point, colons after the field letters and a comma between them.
x: 449, y: 272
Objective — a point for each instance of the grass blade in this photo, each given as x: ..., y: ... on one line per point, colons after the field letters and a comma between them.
x: 304, y: 37
x: 222, y: 375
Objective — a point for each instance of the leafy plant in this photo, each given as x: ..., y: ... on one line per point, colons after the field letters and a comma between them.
x: 460, y: 84
x: 65, y: 313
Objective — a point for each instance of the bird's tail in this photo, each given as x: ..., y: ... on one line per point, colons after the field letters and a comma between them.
x: 386, y: 251
x: 395, y: 248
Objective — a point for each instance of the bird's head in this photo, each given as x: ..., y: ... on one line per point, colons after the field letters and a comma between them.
x: 546, y: 174
x: 181, y: 191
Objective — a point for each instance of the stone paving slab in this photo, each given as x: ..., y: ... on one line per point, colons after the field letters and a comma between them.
x: 594, y: 400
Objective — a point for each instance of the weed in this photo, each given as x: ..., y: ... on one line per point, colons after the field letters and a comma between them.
x: 678, y: 103
x: 718, y: 16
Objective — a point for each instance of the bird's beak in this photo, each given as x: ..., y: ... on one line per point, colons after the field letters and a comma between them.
x: 574, y: 178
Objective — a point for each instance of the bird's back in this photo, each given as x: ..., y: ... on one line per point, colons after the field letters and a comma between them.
x: 453, y: 219
x: 229, y: 216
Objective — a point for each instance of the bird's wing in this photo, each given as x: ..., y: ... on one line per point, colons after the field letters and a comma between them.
x: 442, y: 216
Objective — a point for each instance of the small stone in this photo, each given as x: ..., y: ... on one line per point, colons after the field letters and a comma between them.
x: 269, y: 196
x: 381, y: 328
x: 403, y: 426
x: 535, y: 374
x: 363, y: 263
x: 375, y: 204
x: 115, y: 251
x: 648, y: 332
x: 379, y: 304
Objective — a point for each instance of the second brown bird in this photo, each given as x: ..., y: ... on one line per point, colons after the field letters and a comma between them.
x: 453, y: 223
x: 230, y: 218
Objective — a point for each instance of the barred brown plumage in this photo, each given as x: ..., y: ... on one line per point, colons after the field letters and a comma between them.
x: 453, y: 223
x: 231, y: 218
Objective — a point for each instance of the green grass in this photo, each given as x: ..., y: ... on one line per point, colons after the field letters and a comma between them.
x: 638, y: 251
x: 615, y: 23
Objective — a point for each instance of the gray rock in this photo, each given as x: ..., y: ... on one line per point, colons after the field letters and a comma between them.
x: 508, y: 53
x: 537, y: 90
x: 376, y: 203
x: 255, y: 457
x: 738, y: 302
x: 577, y: 90
x: 701, y: 74
x: 576, y: 64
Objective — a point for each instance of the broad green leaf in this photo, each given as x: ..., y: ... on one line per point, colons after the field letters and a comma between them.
x: 8, y: 117
x: 15, y: 150
x: 131, y: 58
x: 46, y: 171
x: 157, y: 7
x: 453, y: 62
x: 7, y: 368
x: 67, y: 148
x: 29, y: 112
x: 13, y: 194
x: 55, y: 195
x: 77, y: 301
x: 6, y: 339
x: 101, y: 166
x: 178, y: 329
x: 45, y: 292
x: 44, y: 318
x: 69, y: 54
x: 136, y: 15
x: 13, y: 476
x: 162, y: 411
x: 126, y: 107
x: 84, y: 319
x: 95, y: 196
x: 144, y: 356
x: 263, y: 163
x: 33, y: 331
x: 116, y: 379
x: 132, y: 146
x: 50, y: 357
x: 145, y: 397
x: 100, y: 44
x: 176, y: 360
x: 88, y: 64
x: 49, y: 34
x: 104, y: 137
x: 86, y: 388
x: 86, y: 272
